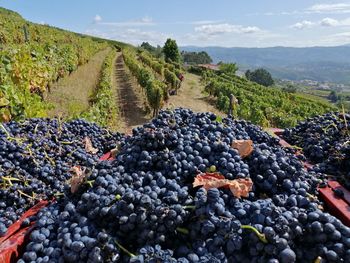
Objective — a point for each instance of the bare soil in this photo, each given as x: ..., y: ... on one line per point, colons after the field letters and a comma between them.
x: 130, y: 99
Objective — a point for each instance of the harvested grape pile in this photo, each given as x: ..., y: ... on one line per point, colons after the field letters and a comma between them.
x: 325, y: 140
x: 35, y: 159
x: 143, y: 207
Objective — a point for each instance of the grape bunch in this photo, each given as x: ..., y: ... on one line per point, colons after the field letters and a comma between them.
x: 36, y: 156
x: 142, y: 206
x: 325, y: 141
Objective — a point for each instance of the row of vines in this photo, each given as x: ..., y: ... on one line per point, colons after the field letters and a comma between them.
x: 104, y: 110
x: 261, y: 105
x: 167, y: 72
x: 155, y: 90
x: 33, y: 57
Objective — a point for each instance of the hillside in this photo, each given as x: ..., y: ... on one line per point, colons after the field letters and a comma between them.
x: 265, y: 106
x: 52, y: 72
x: 37, y: 57
x: 315, y: 63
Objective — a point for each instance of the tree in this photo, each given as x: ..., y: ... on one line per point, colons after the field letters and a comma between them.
x: 171, y: 51
x: 155, y: 51
x: 196, y: 57
x: 148, y: 47
x: 333, y: 96
x: 260, y: 76
x: 228, y: 68
x: 290, y: 88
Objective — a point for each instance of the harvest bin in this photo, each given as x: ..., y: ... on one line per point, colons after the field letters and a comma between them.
x: 337, y: 205
x: 14, y: 242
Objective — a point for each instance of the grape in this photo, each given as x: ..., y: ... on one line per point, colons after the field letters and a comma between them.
x: 142, y: 207
x: 324, y: 140
x: 36, y: 156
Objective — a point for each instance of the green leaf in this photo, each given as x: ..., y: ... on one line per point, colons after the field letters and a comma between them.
x: 4, y: 102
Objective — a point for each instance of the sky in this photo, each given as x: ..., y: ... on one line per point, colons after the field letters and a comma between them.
x: 228, y: 23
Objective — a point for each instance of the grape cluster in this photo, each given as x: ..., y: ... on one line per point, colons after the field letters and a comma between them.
x: 325, y: 141
x: 142, y: 207
x: 35, y: 158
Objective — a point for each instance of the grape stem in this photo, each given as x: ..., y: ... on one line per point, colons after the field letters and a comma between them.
x: 261, y: 236
x: 9, y: 137
x: 90, y: 182
x: 183, y: 230
x: 192, y: 207
x: 311, y: 197
x: 22, y: 193
x: 6, y: 132
x: 124, y: 249
x: 318, y: 260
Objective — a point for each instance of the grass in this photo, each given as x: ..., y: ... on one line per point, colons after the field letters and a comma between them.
x: 192, y: 84
x: 104, y: 108
x: 191, y: 95
x: 313, y: 97
x: 70, y: 96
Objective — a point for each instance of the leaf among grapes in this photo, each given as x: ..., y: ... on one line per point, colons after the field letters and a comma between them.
x: 79, y: 175
x: 239, y: 187
x: 5, y: 115
x: 88, y: 146
x: 244, y: 147
x: 116, y: 150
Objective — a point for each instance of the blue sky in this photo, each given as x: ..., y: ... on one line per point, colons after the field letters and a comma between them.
x: 253, y: 23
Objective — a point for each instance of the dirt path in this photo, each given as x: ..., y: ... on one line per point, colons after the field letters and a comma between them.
x: 191, y: 96
x: 70, y: 95
x: 130, y: 103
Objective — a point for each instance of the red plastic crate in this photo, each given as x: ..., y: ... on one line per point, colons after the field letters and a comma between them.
x: 336, y: 205
x: 13, y: 243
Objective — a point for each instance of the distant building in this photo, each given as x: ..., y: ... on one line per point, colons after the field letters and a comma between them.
x: 209, y: 66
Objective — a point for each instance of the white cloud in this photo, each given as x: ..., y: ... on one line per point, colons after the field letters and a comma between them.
x: 330, y: 8
x: 97, y: 18
x: 129, y: 35
x: 145, y: 21
x: 343, y: 23
x: 329, y: 22
x: 218, y: 29
x: 205, y: 22
x: 303, y: 24
x: 325, y: 22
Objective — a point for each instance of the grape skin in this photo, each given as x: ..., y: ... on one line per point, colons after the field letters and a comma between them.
x: 144, y: 201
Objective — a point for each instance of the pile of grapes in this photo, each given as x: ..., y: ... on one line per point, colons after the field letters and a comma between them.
x: 142, y: 206
x: 325, y: 140
x: 35, y: 159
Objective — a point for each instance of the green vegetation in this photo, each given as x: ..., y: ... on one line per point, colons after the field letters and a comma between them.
x: 228, y: 68
x: 165, y: 72
x: 171, y: 51
x: 155, y: 51
x: 333, y: 96
x: 264, y: 106
x: 290, y: 88
x: 104, y: 110
x: 154, y: 64
x: 329, y: 64
x: 34, y: 56
x: 260, y: 76
x: 196, y: 57
x: 154, y: 90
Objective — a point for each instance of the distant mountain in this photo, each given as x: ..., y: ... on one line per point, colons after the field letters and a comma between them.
x: 316, y: 63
